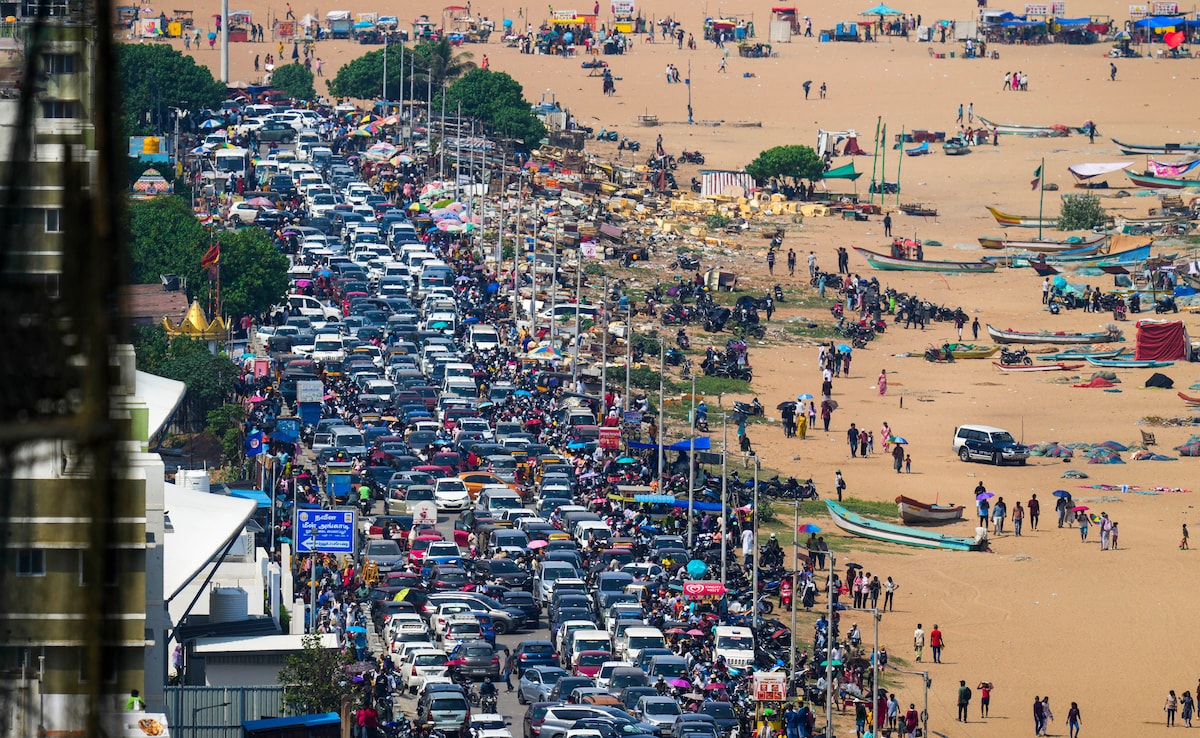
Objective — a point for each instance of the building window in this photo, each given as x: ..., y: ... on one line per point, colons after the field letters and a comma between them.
x: 108, y: 665
x: 58, y: 63
x: 112, y: 573
x: 31, y: 562
x: 54, y: 220
x: 60, y: 109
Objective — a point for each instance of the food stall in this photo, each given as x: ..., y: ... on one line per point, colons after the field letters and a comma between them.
x: 623, y: 21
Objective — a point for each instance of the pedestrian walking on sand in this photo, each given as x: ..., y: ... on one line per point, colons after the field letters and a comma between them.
x: 1039, y: 717
x: 1183, y: 542
x: 1074, y: 720
x: 771, y: 262
x: 936, y: 643
x: 985, y: 697
x: 1170, y: 707
x: 959, y: 119
x: 852, y: 438
x: 897, y: 457
x: 887, y: 225
x: 1018, y: 517
x: 918, y: 642
x: 975, y: 329
x: 721, y: 69
x: 964, y: 700
x: 1186, y: 706
x: 1112, y: 72
x: 1035, y: 511
x: 839, y: 483
x: 970, y: 112
x: 807, y: 86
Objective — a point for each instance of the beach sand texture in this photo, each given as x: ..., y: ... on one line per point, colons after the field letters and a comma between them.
x: 1042, y: 614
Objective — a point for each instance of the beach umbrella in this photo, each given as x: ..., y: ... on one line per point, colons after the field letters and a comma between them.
x: 803, y: 397
x: 260, y: 202
x: 211, y: 124
x: 538, y: 544
x: 881, y: 9
x: 786, y: 404
x: 544, y: 352
x: 680, y: 682
x: 626, y: 460
x: 808, y: 528
x: 898, y: 440
x: 984, y: 496
x: 1061, y: 493
x: 844, y: 348
x: 676, y: 631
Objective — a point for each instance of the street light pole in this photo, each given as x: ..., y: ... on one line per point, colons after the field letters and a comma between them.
x: 662, y: 347
x: 795, y: 579
x: 828, y: 659
x: 691, y: 466
x: 628, y: 352
x: 724, y: 495
x: 754, y: 523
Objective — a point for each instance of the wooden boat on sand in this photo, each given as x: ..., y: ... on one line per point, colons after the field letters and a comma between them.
x: 1021, y: 221
x: 1167, y: 148
x: 1189, y: 399
x: 1150, y: 181
x: 916, y: 512
x: 1127, y: 363
x: 856, y: 524
x: 892, y: 264
x: 1081, y: 353
x: 1058, y: 367
x: 956, y: 146
x: 1019, y: 130
x: 1064, y: 339
x: 1082, y: 245
x: 971, y: 351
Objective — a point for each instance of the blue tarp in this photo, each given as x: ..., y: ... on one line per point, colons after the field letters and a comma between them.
x: 1158, y: 23
x: 654, y: 499
x: 703, y: 443
x: 257, y: 495
x: 1022, y: 24
x: 302, y: 721
x: 701, y: 506
x: 1072, y: 22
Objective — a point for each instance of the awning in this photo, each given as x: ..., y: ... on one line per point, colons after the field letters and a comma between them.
x: 654, y: 499
x: 201, y: 525
x: 1087, y: 171
x: 255, y: 495
x: 1159, y: 23
x: 161, y: 395
x: 846, y: 171
x: 1072, y: 22
x: 702, y: 443
x: 302, y: 721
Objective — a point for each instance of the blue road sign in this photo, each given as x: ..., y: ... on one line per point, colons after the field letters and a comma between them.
x: 326, y: 531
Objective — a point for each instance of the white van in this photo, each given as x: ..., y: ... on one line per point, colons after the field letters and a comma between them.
x: 588, y: 640
x: 483, y: 337
x: 631, y: 644
x: 736, y: 645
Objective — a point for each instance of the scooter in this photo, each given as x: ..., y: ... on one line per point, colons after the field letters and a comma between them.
x: 628, y: 144
x: 682, y: 340
x: 606, y: 135
x: 1166, y: 305
x: 778, y: 293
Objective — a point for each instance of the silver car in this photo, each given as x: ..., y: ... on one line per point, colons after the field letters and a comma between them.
x: 538, y: 682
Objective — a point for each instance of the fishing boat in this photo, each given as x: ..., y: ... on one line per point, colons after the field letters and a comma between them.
x: 877, y: 530
x: 916, y: 512
x: 1168, y: 148
x: 1082, y: 245
x: 956, y: 146
x: 918, y: 150
x: 1063, y: 339
x: 1068, y: 259
x: 1081, y: 353
x: 1019, y: 130
x: 891, y: 264
x: 1022, y: 221
x: 1058, y: 367
x: 1188, y: 399
x: 1116, y: 363
x: 1168, y: 183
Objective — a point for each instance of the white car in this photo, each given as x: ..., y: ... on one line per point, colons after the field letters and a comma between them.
x: 420, y: 665
x: 490, y: 725
x: 357, y: 193
x: 403, y: 621
x: 461, y: 628
x: 328, y: 347
x: 243, y: 212
x: 454, y: 493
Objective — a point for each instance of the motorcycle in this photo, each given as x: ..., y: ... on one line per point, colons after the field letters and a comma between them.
x: 628, y: 144
x: 682, y: 340
x: 1166, y: 305
x: 686, y: 262
x: 606, y: 135
x: 696, y: 185
x: 1020, y: 356
x: 691, y: 157
x: 778, y: 293
x: 487, y: 704
x: 753, y: 409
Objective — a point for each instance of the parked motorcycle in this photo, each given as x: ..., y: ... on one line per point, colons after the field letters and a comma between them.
x: 682, y: 340
x: 1020, y: 356
x: 686, y: 262
x: 691, y: 157
x: 628, y: 144
x: 606, y: 135
x: 1166, y: 305
x: 754, y: 408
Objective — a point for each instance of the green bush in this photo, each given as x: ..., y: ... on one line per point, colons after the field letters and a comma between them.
x: 716, y: 220
x: 594, y: 269
x: 1081, y: 213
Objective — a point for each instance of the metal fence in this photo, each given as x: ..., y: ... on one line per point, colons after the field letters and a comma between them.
x: 218, y: 712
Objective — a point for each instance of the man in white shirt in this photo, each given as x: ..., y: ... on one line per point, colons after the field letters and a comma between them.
x: 748, y: 545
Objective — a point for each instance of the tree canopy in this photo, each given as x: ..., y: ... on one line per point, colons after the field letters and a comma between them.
x: 313, y: 680
x: 166, y: 238
x: 209, y: 377
x: 1081, y: 213
x: 498, y: 101
x: 294, y: 81
x: 794, y: 162
x: 155, y: 78
x: 425, y: 62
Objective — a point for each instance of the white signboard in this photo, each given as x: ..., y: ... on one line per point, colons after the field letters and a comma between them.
x: 622, y: 7
x: 770, y: 686
x: 1165, y: 8
x: 1059, y: 9
x: 1137, y: 11
x: 1037, y: 9
x: 310, y: 390
x: 565, y: 15
x: 423, y: 513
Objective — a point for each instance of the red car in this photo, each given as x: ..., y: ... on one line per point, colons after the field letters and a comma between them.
x: 588, y: 663
x: 420, y: 545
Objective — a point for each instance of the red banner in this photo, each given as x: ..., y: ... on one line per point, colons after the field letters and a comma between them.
x: 610, y: 438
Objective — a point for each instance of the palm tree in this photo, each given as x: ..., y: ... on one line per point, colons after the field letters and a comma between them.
x: 437, y: 62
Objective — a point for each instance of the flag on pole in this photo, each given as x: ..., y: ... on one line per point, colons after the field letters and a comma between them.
x: 254, y: 443
x: 212, y: 257
x: 1037, y: 179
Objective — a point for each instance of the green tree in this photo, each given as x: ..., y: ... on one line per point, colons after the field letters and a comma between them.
x: 154, y: 78
x: 166, y: 238
x: 294, y: 81
x: 498, y: 101
x: 1081, y: 213
x: 792, y: 162
x: 254, y: 274
x: 425, y: 62
x: 209, y: 377
x: 226, y: 423
x: 314, y: 680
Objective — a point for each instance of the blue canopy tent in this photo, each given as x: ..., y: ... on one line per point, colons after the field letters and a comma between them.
x: 701, y: 506
x: 257, y: 495
x: 655, y: 499
x: 1159, y: 23
x: 1072, y: 22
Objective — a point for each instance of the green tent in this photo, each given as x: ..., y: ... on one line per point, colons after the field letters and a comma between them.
x: 846, y: 171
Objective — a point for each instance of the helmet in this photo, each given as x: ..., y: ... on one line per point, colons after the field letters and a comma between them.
x: 773, y: 536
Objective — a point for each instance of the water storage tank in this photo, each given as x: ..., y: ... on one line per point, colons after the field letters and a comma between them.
x: 193, y: 479
x: 228, y: 604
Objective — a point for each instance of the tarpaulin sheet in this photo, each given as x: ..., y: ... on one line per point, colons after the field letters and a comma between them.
x: 1161, y: 341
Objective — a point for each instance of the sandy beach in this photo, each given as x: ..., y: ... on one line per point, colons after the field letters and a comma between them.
x: 1043, y: 613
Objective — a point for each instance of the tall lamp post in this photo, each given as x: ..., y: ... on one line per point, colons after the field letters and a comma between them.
x: 691, y: 466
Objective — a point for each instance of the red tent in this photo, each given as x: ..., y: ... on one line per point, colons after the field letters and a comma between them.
x: 1162, y: 340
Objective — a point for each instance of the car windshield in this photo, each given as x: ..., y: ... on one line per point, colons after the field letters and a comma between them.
x: 539, y: 648
x: 462, y: 628
x: 627, y: 679
x: 504, y: 503
x: 500, y: 566
x: 735, y: 643
x: 1002, y: 437
x: 662, y: 708
x: 479, y: 652
x: 448, y: 702
x: 594, y: 659
x: 717, y: 710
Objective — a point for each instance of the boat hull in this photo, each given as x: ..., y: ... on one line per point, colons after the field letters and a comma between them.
x: 1081, y: 247
x: 1012, y: 129
x: 1169, y: 148
x: 1021, y: 221
x: 1024, y: 368
x: 1127, y: 364
x: 913, y: 511
x: 1077, y: 354
x: 891, y: 533
x: 887, y: 263
x: 1129, y: 256
x: 1161, y: 183
x: 1062, y: 339
x: 1188, y: 399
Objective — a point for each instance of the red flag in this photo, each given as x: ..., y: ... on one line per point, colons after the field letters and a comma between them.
x: 212, y: 257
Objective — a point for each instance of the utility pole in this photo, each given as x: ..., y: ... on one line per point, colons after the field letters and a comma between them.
x: 662, y: 347
x: 828, y: 651
x: 225, y: 42
x: 691, y: 465
x: 383, y: 92
x: 795, y: 579
x: 578, y: 329
x: 754, y: 524
x: 628, y: 352
x: 604, y: 358
x: 724, y: 495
